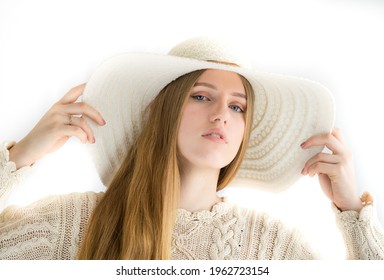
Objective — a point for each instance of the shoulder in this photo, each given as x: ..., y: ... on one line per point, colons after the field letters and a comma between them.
x: 55, y: 206
x: 84, y: 199
x: 262, y: 222
x: 75, y: 204
x: 51, y: 228
x: 255, y: 216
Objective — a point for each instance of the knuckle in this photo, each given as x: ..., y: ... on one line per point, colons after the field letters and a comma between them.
x: 83, y: 138
x: 55, y: 118
x: 83, y: 106
x: 55, y: 107
x: 328, y: 137
x: 78, y: 130
x: 82, y: 122
x: 319, y: 156
x: 312, y: 169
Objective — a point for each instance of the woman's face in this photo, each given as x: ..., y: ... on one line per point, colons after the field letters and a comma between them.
x: 213, y: 122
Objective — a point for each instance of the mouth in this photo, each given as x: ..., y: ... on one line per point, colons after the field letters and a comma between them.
x: 215, y: 135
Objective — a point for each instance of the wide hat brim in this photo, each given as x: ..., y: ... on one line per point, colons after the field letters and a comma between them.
x: 288, y: 110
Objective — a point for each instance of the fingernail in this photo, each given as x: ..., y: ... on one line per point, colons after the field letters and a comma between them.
x: 104, y: 122
x: 93, y: 140
x: 302, y: 144
x: 302, y: 172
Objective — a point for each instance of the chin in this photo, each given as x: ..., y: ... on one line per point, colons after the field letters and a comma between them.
x: 215, y: 163
x: 207, y: 159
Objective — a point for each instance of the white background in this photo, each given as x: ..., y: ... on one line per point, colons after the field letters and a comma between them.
x: 47, y: 47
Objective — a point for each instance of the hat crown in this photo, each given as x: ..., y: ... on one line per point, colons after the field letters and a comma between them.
x: 210, y: 49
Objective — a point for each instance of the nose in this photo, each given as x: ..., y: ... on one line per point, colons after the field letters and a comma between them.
x: 219, y: 114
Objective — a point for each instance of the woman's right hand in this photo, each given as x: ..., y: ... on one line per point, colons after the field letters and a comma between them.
x: 62, y: 121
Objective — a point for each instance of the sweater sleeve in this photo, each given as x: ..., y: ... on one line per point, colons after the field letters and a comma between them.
x: 299, y: 248
x: 9, y: 176
x: 51, y: 228
x: 362, y: 232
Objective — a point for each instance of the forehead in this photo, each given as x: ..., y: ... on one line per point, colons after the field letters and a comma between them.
x: 220, y: 79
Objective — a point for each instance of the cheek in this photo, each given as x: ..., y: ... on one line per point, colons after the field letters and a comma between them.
x: 238, y: 129
x: 187, y: 119
x: 188, y: 122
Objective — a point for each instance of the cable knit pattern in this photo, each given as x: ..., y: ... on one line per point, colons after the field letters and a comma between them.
x: 226, y: 236
x: 363, y: 234
x: 53, y: 228
x: 231, y: 232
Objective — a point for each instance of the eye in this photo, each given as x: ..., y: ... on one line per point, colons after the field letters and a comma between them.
x: 236, y: 108
x: 200, y: 98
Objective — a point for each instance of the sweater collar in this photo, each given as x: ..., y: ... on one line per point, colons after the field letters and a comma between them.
x: 217, y: 210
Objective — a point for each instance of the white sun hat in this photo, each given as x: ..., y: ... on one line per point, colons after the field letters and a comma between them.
x: 288, y: 110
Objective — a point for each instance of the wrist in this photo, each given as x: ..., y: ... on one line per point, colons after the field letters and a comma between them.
x: 17, y: 156
x: 357, y: 204
x: 352, y: 205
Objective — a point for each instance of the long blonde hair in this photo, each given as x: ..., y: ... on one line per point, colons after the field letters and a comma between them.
x: 136, y: 215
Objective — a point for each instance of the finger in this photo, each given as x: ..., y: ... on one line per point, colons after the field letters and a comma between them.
x: 322, y: 168
x: 83, y: 108
x: 83, y: 124
x: 74, y: 131
x: 320, y: 158
x: 73, y: 94
x: 328, y: 140
x: 337, y: 133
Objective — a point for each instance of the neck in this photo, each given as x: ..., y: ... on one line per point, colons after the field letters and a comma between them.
x: 198, y: 189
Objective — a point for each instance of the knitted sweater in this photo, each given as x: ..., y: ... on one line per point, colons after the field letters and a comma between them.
x: 54, y: 227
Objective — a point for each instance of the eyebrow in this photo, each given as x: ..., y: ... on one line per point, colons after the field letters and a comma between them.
x: 238, y: 94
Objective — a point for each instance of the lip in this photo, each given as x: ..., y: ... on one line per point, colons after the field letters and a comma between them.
x: 209, y: 134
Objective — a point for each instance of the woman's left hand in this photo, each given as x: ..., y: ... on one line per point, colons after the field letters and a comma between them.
x: 335, y: 171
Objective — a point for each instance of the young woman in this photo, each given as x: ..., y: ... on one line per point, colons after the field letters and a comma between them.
x: 179, y: 128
